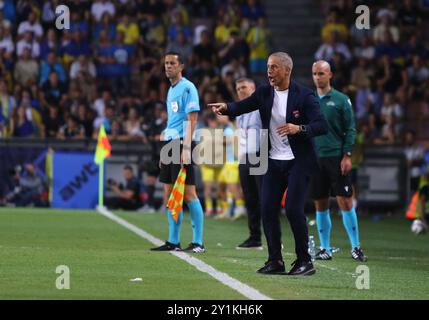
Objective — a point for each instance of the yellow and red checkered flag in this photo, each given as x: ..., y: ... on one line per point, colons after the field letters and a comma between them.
x: 103, y: 149
x: 175, y: 202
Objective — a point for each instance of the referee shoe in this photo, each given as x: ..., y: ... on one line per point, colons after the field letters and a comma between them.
x: 195, y: 248
x: 168, y: 246
x: 358, y: 255
x: 323, y: 255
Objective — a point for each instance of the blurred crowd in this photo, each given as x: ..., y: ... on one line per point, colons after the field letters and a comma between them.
x: 107, y: 67
x: 384, y: 69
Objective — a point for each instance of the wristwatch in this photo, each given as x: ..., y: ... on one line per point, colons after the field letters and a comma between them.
x: 302, y: 128
x: 348, y: 154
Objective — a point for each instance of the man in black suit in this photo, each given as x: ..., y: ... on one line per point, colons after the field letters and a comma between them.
x: 290, y: 113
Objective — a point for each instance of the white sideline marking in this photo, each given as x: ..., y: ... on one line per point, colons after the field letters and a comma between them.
x: 335, y: 269
x: 222, y: 277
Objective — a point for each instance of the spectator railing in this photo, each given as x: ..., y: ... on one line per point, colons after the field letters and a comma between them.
x: 118, y: 147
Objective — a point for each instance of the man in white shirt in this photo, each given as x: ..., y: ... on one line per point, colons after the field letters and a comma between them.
x: 26, y: 70
x: 235, y: 67
x: 29, y: 43
x: 101, y: 103
x: 83, y: 69
x: 385, y: 16
x: 98, y: 8
x: 291, y: 114
x: 30, y: 25
x: 7, y: 45
x: 327, y: 50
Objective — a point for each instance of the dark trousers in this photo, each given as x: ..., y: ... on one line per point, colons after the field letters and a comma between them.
x: 120, y: 203
x: 281, y: 175
x: 251, y: 186
x: 414, y: 185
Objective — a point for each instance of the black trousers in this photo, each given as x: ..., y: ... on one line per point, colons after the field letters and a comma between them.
x: 280, y: 175
x: 251, y: 186
x: 121, y: 203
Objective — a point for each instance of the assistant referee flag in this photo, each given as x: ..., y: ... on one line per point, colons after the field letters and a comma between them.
x: 103, y: 147
x: 175, y: 202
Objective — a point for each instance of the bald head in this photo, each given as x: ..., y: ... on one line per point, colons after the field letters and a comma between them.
x: 322, y: 75
x: 323, y: 65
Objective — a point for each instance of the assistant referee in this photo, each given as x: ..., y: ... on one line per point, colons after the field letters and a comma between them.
x: 334, y: 150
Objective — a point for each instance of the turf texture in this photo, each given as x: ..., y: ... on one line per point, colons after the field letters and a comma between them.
x: 103, y: 256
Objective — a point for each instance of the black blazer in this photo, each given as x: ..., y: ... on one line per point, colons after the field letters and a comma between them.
x: 302, y: 109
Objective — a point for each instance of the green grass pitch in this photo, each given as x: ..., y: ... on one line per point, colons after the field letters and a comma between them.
x: 103, y: 256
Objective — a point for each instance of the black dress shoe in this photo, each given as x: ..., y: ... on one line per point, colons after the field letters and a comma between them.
x: 302, y: 268
x: 250, y: 244
x: 273, y: 267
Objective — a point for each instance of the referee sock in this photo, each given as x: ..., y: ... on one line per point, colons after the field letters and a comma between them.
x: 351, y: 224
x: 197, y: 220
x: 174, y: 228
x: 323, y: 219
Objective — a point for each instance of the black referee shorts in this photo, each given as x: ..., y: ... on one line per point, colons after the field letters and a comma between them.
x: 329, y: 181
x: 169, y: 172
